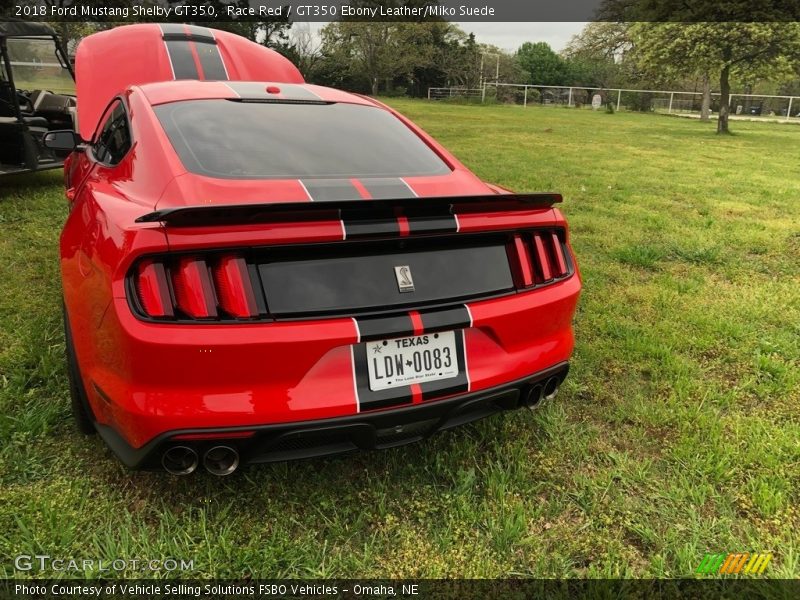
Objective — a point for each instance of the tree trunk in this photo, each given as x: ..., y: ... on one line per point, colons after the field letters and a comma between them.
x: 724, y: 100
x: 374, y: 86
x: 705, y: 109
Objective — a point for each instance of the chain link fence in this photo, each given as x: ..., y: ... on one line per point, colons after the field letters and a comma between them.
x: 656, y: 101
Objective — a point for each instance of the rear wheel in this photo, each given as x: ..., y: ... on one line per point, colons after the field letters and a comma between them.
x: 80, y: 405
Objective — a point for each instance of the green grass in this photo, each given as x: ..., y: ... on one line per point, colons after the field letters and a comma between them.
x: 677, y: 433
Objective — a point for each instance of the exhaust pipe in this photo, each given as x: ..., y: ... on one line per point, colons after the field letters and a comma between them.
x: 533, y: 397
x: 221, y: 460
x: 179, y: 460
x: 551, y: 388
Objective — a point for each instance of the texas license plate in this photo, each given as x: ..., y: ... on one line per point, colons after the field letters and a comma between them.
x: 418, y: 359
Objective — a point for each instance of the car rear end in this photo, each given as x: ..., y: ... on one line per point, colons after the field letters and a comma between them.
x: 384, y: 307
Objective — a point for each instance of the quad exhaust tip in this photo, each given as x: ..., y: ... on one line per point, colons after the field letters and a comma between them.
x: 221, y: 460
x: 534, y: 396
x: 180, y: 460
x: 551, y: 388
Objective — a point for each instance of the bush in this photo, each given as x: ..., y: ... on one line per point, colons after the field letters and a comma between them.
x: 610, y: 108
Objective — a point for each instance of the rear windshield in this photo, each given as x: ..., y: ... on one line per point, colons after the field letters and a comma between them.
x: 250, y: 140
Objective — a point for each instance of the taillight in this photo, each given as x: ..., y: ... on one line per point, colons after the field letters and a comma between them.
x: 193, y: 290
x: 196, y: 287
x: 541, y: 257
x: 152, y: 289
x: 234, y: 288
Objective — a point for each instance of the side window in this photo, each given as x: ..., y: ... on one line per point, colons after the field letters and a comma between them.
x: 114, y: 139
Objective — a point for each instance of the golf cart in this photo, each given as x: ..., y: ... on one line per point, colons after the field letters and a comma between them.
x: 37, y: 94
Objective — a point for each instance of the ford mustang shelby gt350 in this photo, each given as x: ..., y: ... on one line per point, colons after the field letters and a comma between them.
x: 258, y: 269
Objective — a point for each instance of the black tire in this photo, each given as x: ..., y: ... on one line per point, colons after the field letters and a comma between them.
x: 81, y: 412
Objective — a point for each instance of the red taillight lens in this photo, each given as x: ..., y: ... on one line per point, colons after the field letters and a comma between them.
x: 152, y: 289
x: 559, y: 263
x: 203, y: 287
x: 194, y: 292
x: 234, y: 287
x: 543, y: 270
x: 543, y: 255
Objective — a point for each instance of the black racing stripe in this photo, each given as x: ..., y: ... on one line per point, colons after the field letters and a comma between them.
x: 443, y: 320
x: 177, y: 31
x: 211, y: 62
x: 454, y: 385
x: 331, y: 190
x: 379, y: 328
x: 180, y: 55
x: 371, y: 400
x: 172, y: 28
x: 432, y: 224
x: 198, y: 31
x: 296, y: 92
x: 355, y: 227
x: 258, y: 91
x: 387, y: 188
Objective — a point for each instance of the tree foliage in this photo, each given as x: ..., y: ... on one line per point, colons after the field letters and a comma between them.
x: 727, y: 50
x: 542, y: 65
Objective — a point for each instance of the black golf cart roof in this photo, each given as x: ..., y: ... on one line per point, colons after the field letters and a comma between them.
x: 25, y: 29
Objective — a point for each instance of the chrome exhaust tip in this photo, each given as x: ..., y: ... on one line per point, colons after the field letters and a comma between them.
x: 221, y: 460
x: 551, y: 388
x: 533, y: 397
x: 179, y: 460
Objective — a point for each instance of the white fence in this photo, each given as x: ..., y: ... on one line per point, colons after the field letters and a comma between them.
x: 439, y: 93
x: 663, y: 101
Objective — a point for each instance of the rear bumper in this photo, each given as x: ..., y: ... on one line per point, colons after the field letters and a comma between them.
x: 365, y: 431
x: 147, y: 379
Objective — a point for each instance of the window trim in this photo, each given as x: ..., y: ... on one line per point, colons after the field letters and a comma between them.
x: 101, y: 124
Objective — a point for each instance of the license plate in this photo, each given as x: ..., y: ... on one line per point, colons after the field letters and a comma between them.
x: 418, y: 359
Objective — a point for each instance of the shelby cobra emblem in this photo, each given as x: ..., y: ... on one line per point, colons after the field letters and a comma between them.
x: 405, y: 283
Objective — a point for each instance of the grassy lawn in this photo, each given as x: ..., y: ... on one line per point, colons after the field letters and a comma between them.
x: 677, y: 433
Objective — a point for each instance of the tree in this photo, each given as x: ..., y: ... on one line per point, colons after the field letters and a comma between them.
x: 725, y: 49
x: 378, y: 51
x: 542, y: 65
x: 599, y: 56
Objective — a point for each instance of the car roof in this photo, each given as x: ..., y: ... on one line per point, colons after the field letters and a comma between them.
x: 176, y: 91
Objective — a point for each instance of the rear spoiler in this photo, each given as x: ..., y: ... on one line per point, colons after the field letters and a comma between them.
x: 240, y: 214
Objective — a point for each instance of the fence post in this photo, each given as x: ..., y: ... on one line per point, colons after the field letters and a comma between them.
x: 671, y: 96
x: 483, y: 93
x: 569, y: 101
x: 619, y: 98
x: 525, y: 101
x: 789, y: 110
x: 429, y: 93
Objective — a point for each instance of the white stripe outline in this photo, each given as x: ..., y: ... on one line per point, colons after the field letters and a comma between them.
x: 469, y: 312
x: 466, y: 365
x: 169, y: 58
x: 344, y: 234
x: 303, y: 185
x: 458, y: 226
x: 355, y: 384
x: 221, y: 59
x: 409, y: 187
x: 238, y: 95
x: 358, y: 331
x: 304, y: 86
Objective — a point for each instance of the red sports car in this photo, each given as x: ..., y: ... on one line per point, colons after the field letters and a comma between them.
x: 258, y: 269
